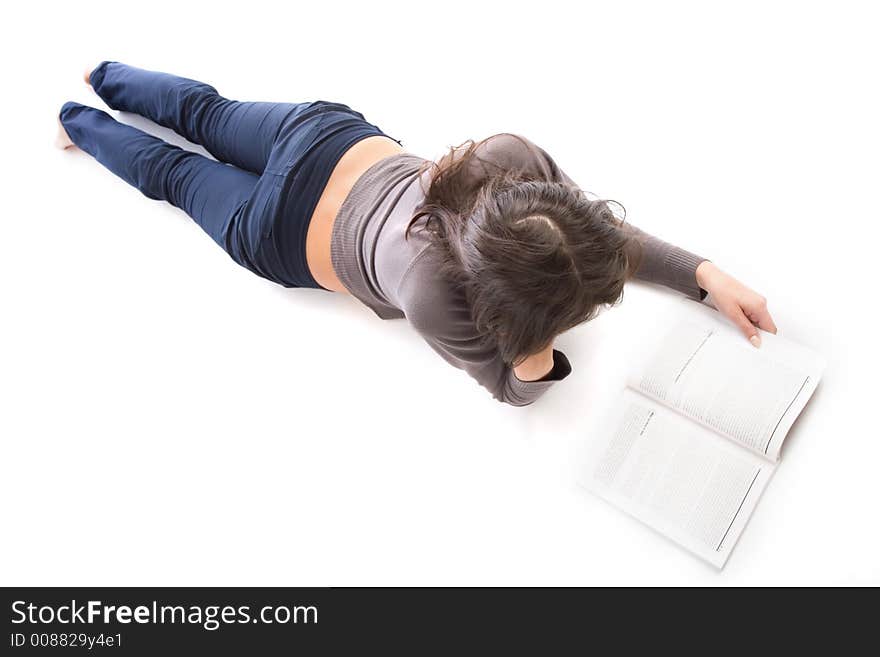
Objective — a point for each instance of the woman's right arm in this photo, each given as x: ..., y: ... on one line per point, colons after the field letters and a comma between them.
x: 664, y: 263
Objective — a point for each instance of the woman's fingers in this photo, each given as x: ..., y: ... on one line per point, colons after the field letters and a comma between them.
x: 742, y: 305
x: 759, y: 315
x: 738, y: 317
x: 748, y: 316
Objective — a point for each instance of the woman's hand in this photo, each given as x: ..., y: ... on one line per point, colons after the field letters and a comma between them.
x: 742, y: 305
x: 536, y: 366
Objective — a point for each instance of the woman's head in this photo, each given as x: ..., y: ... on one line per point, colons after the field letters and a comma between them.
x: 535, y: 257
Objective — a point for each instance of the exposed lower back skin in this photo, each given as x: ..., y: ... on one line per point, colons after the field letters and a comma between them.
x: 353, y: 163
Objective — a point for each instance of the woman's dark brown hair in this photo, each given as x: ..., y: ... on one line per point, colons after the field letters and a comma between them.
x: 534, y: 257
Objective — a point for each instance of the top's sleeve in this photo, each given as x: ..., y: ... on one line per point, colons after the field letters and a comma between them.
x: 657, y: 261
x: 439, y: 313
x: 665, y: 264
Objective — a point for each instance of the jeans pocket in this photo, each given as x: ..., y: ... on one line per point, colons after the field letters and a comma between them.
x: 292, y: 148
x: 301, y: 144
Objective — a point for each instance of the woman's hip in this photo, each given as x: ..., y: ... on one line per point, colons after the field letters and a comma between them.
x: 271, y: 231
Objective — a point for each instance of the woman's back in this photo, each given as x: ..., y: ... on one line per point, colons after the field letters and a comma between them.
x: 398, y: 275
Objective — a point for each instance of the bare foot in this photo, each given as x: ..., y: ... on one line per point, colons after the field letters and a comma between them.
x: 87, y: 74
x: 63, y: 140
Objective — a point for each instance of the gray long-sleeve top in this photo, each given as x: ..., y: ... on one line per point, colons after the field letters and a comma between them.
x: 398, y: 277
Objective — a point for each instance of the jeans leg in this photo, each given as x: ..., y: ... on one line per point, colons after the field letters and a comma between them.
x: 210, y: 192
x: 241, y: 133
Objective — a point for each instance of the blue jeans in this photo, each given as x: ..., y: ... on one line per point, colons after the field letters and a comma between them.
x: 274, y: 160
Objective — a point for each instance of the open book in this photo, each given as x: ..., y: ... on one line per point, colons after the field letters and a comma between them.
x: 693, y: 439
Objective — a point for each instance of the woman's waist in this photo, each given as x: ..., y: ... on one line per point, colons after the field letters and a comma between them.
x: 356, y: 160
x: 368, y: 241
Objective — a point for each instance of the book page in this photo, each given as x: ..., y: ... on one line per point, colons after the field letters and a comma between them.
x: 681, y: 479
x: 712, y: 375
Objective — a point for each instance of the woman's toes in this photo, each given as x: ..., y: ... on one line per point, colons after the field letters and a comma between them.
x: 62, y: 139
x: 86, y: 75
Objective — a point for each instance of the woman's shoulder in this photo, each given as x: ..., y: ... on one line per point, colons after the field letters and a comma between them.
x: 509, y: 147
x: 500, y: 147
x: 432, y: 302
x: 506, y: 151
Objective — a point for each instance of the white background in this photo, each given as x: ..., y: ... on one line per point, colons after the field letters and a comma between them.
x: 169, y: 418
